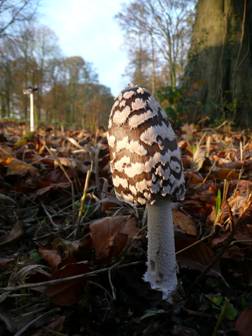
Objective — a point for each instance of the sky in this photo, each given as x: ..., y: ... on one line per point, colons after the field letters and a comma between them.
x: 88, y: 28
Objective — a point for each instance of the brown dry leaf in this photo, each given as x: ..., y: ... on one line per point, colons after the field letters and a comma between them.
x: 247, y: 164
x: 230, y: 165
x: 186, y: 161
x: 109, y: 204
x: 225, y: 173
x: 54, y: 327
x: 18, y: 167
x: 188, y: 131
x: 74, y: 142
x: 51, y: 256
x: 240, y: 201
x: 220, y: 239
x: 68, y: 248
x: 243, y: 324
x: 68, y: 293
x: 246, y: 216
x: 183, y: 144
x: 196, y: 251
x: 30, y: 136
x: 184, y: 222
x: 193, y: 178
x: 111, y: 234
x: 5, y: 152
x: 4, y: 262
x: 15, y: 233
x: 197, y: 208
x: 64, y: 161
x: 53, y: 186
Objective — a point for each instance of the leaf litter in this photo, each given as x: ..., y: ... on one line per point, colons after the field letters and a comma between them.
x: 72, y: 256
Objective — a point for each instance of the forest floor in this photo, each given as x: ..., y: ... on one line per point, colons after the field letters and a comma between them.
x: 72, y: 256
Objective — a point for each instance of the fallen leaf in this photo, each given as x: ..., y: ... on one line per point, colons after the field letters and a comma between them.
x: 6, y: 198
x: 51, y: 187
x: 15, y: 233
x: 51, y: 256
x: 111, y: 234
x: 4, y: 262
x: 184, y: 222
x: 74, y: 142
x: 70, y: 250
x: 186, y: 161
x: 54, y: 327
x: 191, y: 249
x: 18, y: 167
x: 31, y: 273
x: 193, y: 178
x: 67, y: 293
x: 243, y: 324
x: 225, y: 174
x: 67, y: 162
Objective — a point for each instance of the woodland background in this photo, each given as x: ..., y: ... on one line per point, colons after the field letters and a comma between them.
x: 194, y: 56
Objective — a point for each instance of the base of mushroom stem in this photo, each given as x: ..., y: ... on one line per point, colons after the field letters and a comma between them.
x: 168, y: 292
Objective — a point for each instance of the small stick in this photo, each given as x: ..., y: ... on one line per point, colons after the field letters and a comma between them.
x: 65, y: 173
x: 49, y: 216
x: 195, y: 243
x: 84, y: 194
x: 211, y: 264
x: 30, y: 323
x: 111, y: 284
x: 66, y: 279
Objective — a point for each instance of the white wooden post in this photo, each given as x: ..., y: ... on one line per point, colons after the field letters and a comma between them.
x: 30, y: 91
x: 31, y: 113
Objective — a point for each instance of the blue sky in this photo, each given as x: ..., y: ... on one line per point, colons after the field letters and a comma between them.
x: 88, y: 28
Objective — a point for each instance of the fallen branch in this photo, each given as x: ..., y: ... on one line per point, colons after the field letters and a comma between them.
x: 66, y: 279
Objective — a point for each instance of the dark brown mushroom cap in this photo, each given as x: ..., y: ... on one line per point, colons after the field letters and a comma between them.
x: 145, y: 159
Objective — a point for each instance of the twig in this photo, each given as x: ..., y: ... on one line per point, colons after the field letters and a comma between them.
x: 211, y: 264
x: 111, y: 284
x: 66, y: 175
x: 208, y: 174
x: 101, y: 287
x: 196, y: 313
x: 242, y: 241
x: 29, y: 324
x: 66, y: 279
x: 195, y: 243
x: 7, y: 321
x: 49, y: 216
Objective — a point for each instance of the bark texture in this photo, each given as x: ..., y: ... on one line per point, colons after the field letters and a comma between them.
x: 218, y: 78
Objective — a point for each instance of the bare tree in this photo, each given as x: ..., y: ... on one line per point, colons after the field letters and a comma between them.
x: 165, y: 26
x: 13, y: 12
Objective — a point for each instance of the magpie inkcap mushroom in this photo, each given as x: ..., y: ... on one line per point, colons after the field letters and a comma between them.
x: 146, y: 169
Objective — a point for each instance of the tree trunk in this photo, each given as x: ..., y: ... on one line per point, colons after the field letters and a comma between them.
x: 218, y: 78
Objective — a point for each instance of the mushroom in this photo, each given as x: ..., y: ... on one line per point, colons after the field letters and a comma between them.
x: 147, y: 170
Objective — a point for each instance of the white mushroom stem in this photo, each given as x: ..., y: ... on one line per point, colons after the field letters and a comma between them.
x: 161, y: 257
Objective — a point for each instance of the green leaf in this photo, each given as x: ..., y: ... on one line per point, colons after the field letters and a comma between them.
x: 35, y: 256
x: 218, y: 202
x: 217, y: 300
x: 231, y: 312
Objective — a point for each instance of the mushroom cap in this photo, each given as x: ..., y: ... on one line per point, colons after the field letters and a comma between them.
x: 145, y: 159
